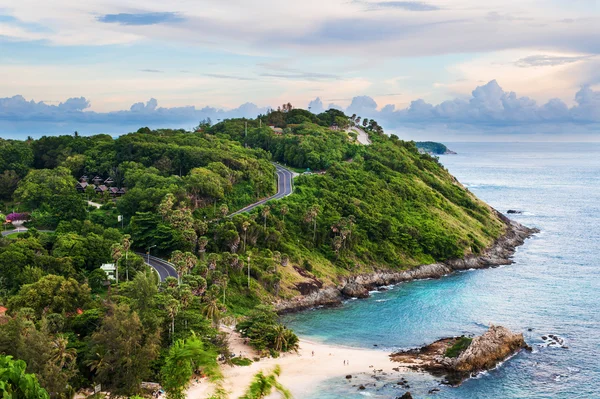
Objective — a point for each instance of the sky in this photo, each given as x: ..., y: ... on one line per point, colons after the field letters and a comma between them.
x: 426, y: 70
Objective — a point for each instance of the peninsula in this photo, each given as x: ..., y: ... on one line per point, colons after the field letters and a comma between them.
x: 240, y: 219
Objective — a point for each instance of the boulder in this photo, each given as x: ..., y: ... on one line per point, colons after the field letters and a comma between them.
x: 407, y: 395
x: 355, y: 290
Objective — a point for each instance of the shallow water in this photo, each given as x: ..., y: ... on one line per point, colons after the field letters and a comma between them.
x: 552, y: 288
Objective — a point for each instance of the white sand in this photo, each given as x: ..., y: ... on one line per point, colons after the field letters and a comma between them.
x: 300, y: 372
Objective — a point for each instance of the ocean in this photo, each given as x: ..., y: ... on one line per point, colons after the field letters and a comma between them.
x: 553, y: 287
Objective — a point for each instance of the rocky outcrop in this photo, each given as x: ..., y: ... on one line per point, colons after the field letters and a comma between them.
x: 355, y: 289
x: 487, y: 350
x: 497, y: 254
x: 483, y: 353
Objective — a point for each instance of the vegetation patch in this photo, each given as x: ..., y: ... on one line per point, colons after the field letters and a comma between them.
x: 458, y: 347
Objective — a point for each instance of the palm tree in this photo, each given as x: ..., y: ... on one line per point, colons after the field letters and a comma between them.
x: 212, y: 311
x: 190, y: 261
x: 61, y: 355
x: 126, y: 245
x: 224, y: 209
x: 178, y: 259
x: 116, y: 254
x: 280, y: 337
x: 284, y: 211
x: 262, y: 385
x: 245, y: 226
x: 311, y: 216
x: 265, y: 211
x: 212, y: 261
x: 202, y: 243
x: 337, y: 245
x: 172, y: 308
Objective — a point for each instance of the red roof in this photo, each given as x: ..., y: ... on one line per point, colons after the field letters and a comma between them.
x: 3, y: 310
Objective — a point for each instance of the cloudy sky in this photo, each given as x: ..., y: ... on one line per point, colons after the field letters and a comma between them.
x: 454, y: 69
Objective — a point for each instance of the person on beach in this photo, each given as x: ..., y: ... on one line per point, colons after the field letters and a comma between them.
x: 313, y: 353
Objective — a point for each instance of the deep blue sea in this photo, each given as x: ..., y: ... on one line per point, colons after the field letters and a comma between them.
x: 553, y: 287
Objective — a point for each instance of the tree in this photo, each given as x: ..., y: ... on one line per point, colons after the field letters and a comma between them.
x: 263, y: 384
x: 143, y: 291
x: 15, y: 383
x: 122, y: 352
x: 9, y: 181
x: 212, y: 311
x: 202, y: 243
x: 284, y: 209
x: 365, y: 122
x: 224, y: 210
x: 116, y: 254
x: 245, y: 225
x: 61, y: 354
x: 51, y: 294
x: 177, y: 258
x: 126, y: 244
x: 311, y: 216
x: 40, y: 186
x: 183, y: 358
x: 265, y: 211
x: 172, y: 307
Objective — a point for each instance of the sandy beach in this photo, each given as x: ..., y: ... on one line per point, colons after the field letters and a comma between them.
x: 300, y: 372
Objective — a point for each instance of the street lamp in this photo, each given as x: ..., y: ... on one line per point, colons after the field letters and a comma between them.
x: 148, y: 254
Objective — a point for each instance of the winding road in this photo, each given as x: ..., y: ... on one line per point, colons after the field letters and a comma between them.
x: 285, y: 186
x: 166, y: 269
x: 163, y: 268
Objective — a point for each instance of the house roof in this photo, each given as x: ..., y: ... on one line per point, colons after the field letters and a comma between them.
x: 82, y: 184
x: 113, y: 190
x: 101, y: 188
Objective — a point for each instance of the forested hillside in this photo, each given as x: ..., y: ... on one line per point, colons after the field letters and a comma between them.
x: 360, y: 208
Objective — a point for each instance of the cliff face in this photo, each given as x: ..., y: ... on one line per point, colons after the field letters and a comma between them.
x: 483, y: 353
x: 499, y: 253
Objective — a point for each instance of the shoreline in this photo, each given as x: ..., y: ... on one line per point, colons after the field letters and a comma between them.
x: 302, y: 372
x: 498, y: 254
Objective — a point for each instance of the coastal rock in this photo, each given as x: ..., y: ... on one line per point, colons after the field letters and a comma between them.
x: 355, y: 290
x: 514, y: 212
x: 407, y: 395
x: 469, y: 356
x: 487, y: 350
x: 499, y: 253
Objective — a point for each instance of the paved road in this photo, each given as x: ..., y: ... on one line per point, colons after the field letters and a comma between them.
x: 163, y: 268
x: 362, y: 136
x: 285, y: 181
x: 22, y: 230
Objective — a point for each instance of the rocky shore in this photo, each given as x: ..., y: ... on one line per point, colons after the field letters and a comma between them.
x: 459, y: 358
x: 499, y: 253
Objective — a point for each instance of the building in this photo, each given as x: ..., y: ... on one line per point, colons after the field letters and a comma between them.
x: 110, y: 269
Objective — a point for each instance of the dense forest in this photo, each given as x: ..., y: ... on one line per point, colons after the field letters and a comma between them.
x: 354, y: 209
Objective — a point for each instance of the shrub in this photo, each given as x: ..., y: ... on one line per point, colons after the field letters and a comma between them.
x: 459, y: 346
x: 241, y: 361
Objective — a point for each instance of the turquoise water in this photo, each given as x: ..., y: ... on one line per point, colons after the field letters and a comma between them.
x: 552, y: 288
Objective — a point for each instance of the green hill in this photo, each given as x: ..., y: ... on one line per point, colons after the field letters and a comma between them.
x: 364, y: 208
